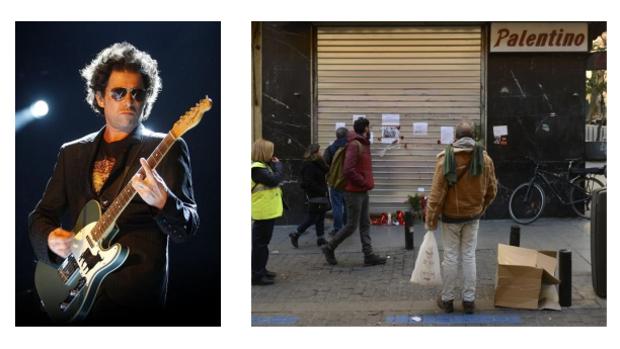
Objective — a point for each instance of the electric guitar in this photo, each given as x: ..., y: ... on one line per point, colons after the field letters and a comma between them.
x: 67, y: 291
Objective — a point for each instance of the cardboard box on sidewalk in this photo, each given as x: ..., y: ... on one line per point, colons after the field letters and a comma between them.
x: 526, y: 278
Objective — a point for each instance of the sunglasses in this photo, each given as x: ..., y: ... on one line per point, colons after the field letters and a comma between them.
x: 118, y: 93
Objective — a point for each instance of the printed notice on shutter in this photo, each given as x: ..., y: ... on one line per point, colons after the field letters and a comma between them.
x: 447, y: 134
x: 340, y: 124
x: 390, y: 119
x: 420, y: 128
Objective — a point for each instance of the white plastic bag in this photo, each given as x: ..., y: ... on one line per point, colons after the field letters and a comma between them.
x: 427, y: 271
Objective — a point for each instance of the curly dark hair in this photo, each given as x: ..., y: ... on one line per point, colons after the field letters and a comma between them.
x: 119, y: 57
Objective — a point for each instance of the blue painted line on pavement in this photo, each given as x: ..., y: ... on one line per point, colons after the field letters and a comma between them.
x: 400, y: 320
x: 278, y: 320
x: 454, y: 319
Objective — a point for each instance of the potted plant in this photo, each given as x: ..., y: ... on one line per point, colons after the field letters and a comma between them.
x: 418, y: 205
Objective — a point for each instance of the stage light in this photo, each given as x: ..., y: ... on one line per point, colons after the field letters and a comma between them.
x: 39, y: 109
x: 36, y: 111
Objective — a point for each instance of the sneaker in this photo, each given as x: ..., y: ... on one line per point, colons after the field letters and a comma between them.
x: 373, y: 259
x: 294, y: 238
x: 320, y: 242
x: 330, y: 256
x: 270, y: 274
x: 446, y: 306
x: 469, y: 307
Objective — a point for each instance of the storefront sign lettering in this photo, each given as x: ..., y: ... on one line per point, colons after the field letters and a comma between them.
x: 539, y: 37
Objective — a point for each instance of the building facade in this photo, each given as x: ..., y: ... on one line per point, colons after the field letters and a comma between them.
x: 522, y: 84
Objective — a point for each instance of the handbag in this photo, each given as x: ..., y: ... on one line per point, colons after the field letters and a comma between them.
x: 319, y: 203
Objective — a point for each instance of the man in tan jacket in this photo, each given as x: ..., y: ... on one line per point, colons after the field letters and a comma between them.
x: 464, y: 185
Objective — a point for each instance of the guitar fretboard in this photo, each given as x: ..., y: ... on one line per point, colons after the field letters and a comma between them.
x: 107, y: 220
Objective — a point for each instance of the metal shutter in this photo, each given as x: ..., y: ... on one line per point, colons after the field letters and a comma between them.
x: 425, y: 74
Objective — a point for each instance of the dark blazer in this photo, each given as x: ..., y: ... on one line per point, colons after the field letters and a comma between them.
x: 141, y: 281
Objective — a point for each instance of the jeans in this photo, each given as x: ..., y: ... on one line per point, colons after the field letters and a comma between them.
x: 459, y: 239
x: 338, y: 210
x: 313, y: 217
x: 262, y: 231
x: 357, y: 211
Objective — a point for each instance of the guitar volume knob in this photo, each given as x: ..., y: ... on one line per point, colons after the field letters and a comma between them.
x: 64, y: 306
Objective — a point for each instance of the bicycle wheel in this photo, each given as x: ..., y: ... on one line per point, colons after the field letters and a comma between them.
x: 580, y: 194
x: 526, y: 207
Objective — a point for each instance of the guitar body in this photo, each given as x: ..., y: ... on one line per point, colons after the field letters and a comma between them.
x: 68, y: 291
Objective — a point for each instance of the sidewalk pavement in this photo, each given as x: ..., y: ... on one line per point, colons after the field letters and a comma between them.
x: 309, y: 292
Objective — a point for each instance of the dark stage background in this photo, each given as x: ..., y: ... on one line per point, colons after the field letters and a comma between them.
x: 48, y: 59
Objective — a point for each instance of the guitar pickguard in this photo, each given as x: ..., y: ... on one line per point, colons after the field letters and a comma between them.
x: 90, y: 260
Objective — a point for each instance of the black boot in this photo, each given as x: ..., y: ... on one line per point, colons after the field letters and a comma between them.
x: 262, y: 281
x: 330, y: 256
x: 446, y: 306
x: 373, y: 259
x: 294, y: 238
x: 469, y: 307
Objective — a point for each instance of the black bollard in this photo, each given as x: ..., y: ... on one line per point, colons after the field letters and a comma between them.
x: 515, y: 235
x: 408, y: 231
x: 566, y: 271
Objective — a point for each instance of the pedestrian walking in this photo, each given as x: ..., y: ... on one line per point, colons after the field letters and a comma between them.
x: 313, y: 183
x: 359, y: 181
x: 336, y: 196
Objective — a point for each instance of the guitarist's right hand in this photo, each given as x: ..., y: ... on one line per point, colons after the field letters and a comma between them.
x: 59, y: 241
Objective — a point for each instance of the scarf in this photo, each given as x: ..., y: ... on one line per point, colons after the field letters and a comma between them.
x: 475, y: 165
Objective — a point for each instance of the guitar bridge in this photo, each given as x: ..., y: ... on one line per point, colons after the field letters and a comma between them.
x: 68, y: 269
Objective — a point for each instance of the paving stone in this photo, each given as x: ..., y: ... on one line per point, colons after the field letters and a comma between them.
x: 314, y: 293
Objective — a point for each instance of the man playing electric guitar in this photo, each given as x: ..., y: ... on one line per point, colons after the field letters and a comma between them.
x: 122, y: 84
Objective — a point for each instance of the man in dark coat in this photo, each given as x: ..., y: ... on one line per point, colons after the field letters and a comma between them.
x: 122, y: 84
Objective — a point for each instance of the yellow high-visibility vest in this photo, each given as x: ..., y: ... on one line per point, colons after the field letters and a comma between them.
x: 266, y: 201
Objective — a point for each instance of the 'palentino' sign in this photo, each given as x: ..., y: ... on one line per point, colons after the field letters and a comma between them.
x: 539, y: 37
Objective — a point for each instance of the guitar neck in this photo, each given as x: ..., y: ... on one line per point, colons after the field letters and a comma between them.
x: 108, y: 219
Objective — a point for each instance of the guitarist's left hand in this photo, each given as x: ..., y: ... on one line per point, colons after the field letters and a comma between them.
x: 151, y: 188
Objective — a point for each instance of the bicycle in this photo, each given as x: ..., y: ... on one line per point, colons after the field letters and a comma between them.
x: 528, y: 200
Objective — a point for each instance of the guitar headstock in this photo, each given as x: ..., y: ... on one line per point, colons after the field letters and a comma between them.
x: 191, y: 117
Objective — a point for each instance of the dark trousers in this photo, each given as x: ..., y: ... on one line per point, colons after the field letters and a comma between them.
x: 313, y: 217
x: 357, y: 216
x: 262, y: 230
x: 107, y: 312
